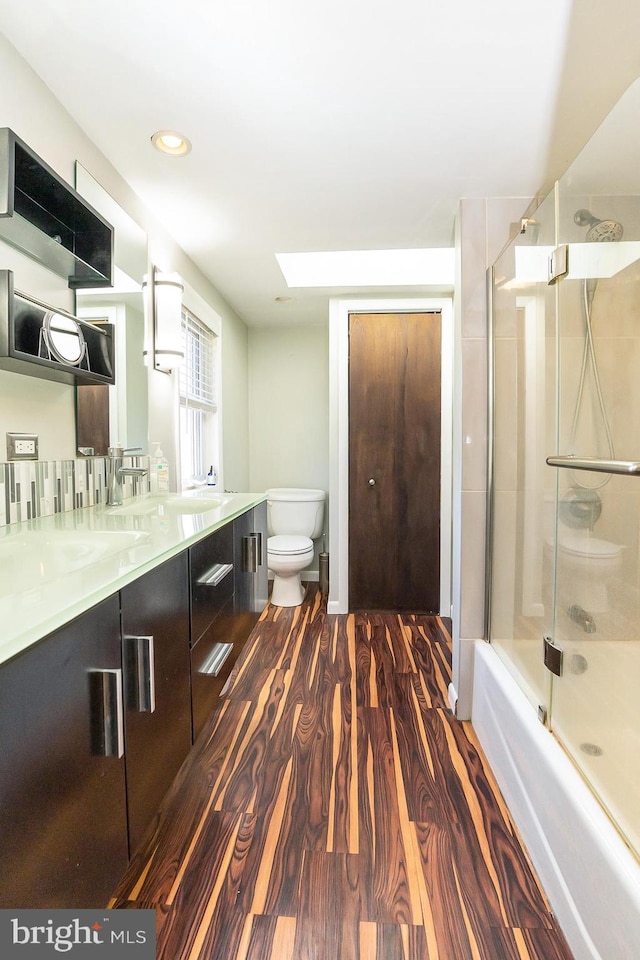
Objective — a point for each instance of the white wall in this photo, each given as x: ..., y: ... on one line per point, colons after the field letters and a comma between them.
x: 28, y: 107
x: 236, y: 440
x: 289, y: 407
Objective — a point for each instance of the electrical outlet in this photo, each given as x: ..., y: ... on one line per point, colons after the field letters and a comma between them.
x: 22, y: 446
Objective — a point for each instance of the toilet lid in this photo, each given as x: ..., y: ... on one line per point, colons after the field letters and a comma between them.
x: 589, y: 547
x: 283, y: 543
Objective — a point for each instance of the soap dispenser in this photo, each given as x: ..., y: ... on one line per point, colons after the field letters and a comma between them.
x: 159, y: 472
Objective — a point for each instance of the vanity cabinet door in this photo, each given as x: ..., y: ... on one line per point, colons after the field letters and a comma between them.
x: 212, y: 659
x: 63, y: 818
x: 260, y: 593
x: 250, y: 564
x: 211, y: 571
x: 155, y: 655
x: 234, y: 606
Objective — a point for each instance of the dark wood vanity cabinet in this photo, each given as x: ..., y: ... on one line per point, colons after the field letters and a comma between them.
x: 95, y: 722
x: 97, y: 718
x: 63, y: 812
x: 157, y: 687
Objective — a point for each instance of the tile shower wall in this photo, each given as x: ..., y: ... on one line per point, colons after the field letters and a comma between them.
x: 35, y: 488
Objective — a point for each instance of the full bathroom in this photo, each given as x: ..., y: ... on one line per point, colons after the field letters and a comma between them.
x: 541, y: 558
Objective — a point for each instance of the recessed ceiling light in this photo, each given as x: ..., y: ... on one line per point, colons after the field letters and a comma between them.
x: 171, y: 143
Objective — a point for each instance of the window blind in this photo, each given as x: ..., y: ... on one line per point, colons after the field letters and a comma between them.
x: 197, y: 375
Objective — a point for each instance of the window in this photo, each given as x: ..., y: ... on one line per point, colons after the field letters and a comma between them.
x: 198, y: 423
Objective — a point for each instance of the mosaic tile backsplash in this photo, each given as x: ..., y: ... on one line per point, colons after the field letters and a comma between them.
x: 37, y: 488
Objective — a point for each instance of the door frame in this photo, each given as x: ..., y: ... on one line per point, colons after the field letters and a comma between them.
x: 339, y: 310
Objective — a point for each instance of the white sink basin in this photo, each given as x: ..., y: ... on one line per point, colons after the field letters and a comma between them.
x: 29, y: 558
x: 170, y: 504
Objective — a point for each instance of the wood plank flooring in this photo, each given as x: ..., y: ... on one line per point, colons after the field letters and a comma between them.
x: 334, y: 809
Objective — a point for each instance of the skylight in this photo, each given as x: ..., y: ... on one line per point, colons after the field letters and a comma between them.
x: 369, y: 268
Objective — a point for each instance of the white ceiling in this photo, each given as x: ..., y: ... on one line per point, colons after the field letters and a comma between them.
x: 340, y: 125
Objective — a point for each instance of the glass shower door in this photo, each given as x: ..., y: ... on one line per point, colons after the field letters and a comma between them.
x: 595, y: 705
x: 522, y: 370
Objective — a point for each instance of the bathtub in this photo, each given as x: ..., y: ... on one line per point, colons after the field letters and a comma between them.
x: 590, y: 876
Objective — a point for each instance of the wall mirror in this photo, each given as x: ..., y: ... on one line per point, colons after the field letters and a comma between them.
x: 106, y: 415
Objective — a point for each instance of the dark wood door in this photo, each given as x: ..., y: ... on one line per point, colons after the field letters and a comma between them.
x: 394, y: 461
x: 92, y: 417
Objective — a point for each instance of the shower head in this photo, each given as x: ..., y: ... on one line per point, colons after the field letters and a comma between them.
x: 599, y: 230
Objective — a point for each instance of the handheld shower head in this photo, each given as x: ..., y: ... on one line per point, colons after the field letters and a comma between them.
x: 599, y: 230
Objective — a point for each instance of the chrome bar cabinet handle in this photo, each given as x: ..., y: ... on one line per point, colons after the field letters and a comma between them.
x: 215, y: 575
x: 106, y: 713
x: 214, y: 663
x: 250, y: 554
x: 141, y: 674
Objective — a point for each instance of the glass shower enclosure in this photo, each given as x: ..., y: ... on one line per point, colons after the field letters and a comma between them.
x: 564, y: 538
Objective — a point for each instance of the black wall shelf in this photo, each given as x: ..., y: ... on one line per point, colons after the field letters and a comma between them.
x: 45, y: 218
x: 25, y: 347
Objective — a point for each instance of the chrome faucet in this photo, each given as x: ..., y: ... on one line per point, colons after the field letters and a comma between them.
x: 582, y: 618
x: 115, y: 473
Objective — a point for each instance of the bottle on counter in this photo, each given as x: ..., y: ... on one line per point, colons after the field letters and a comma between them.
x: 159, y: 471
x: 212, y: 477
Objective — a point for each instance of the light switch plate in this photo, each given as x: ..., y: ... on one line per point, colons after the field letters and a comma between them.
x: 22, y: 446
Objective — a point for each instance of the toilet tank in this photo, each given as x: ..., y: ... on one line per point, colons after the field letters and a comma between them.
x: 296, y: 511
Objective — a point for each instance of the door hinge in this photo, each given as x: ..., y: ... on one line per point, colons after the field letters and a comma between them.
x: 559, y: 263
x: 542, y: 714
x: 552, y: 657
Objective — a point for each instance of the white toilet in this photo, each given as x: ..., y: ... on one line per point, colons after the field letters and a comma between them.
x: 586, y: 567
x: 295, y: 517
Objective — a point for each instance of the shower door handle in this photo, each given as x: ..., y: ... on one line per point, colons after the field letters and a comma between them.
x: 628, y: 468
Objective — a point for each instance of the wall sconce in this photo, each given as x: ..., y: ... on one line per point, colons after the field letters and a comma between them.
x: 163, y: 300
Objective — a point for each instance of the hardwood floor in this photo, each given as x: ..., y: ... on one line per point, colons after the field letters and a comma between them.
x: 333, y: 809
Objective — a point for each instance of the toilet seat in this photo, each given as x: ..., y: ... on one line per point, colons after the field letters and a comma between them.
x: 589, y: 547
x: 288, y: 545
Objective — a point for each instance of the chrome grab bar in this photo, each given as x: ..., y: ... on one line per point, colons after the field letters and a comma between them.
x: 629, y: 468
